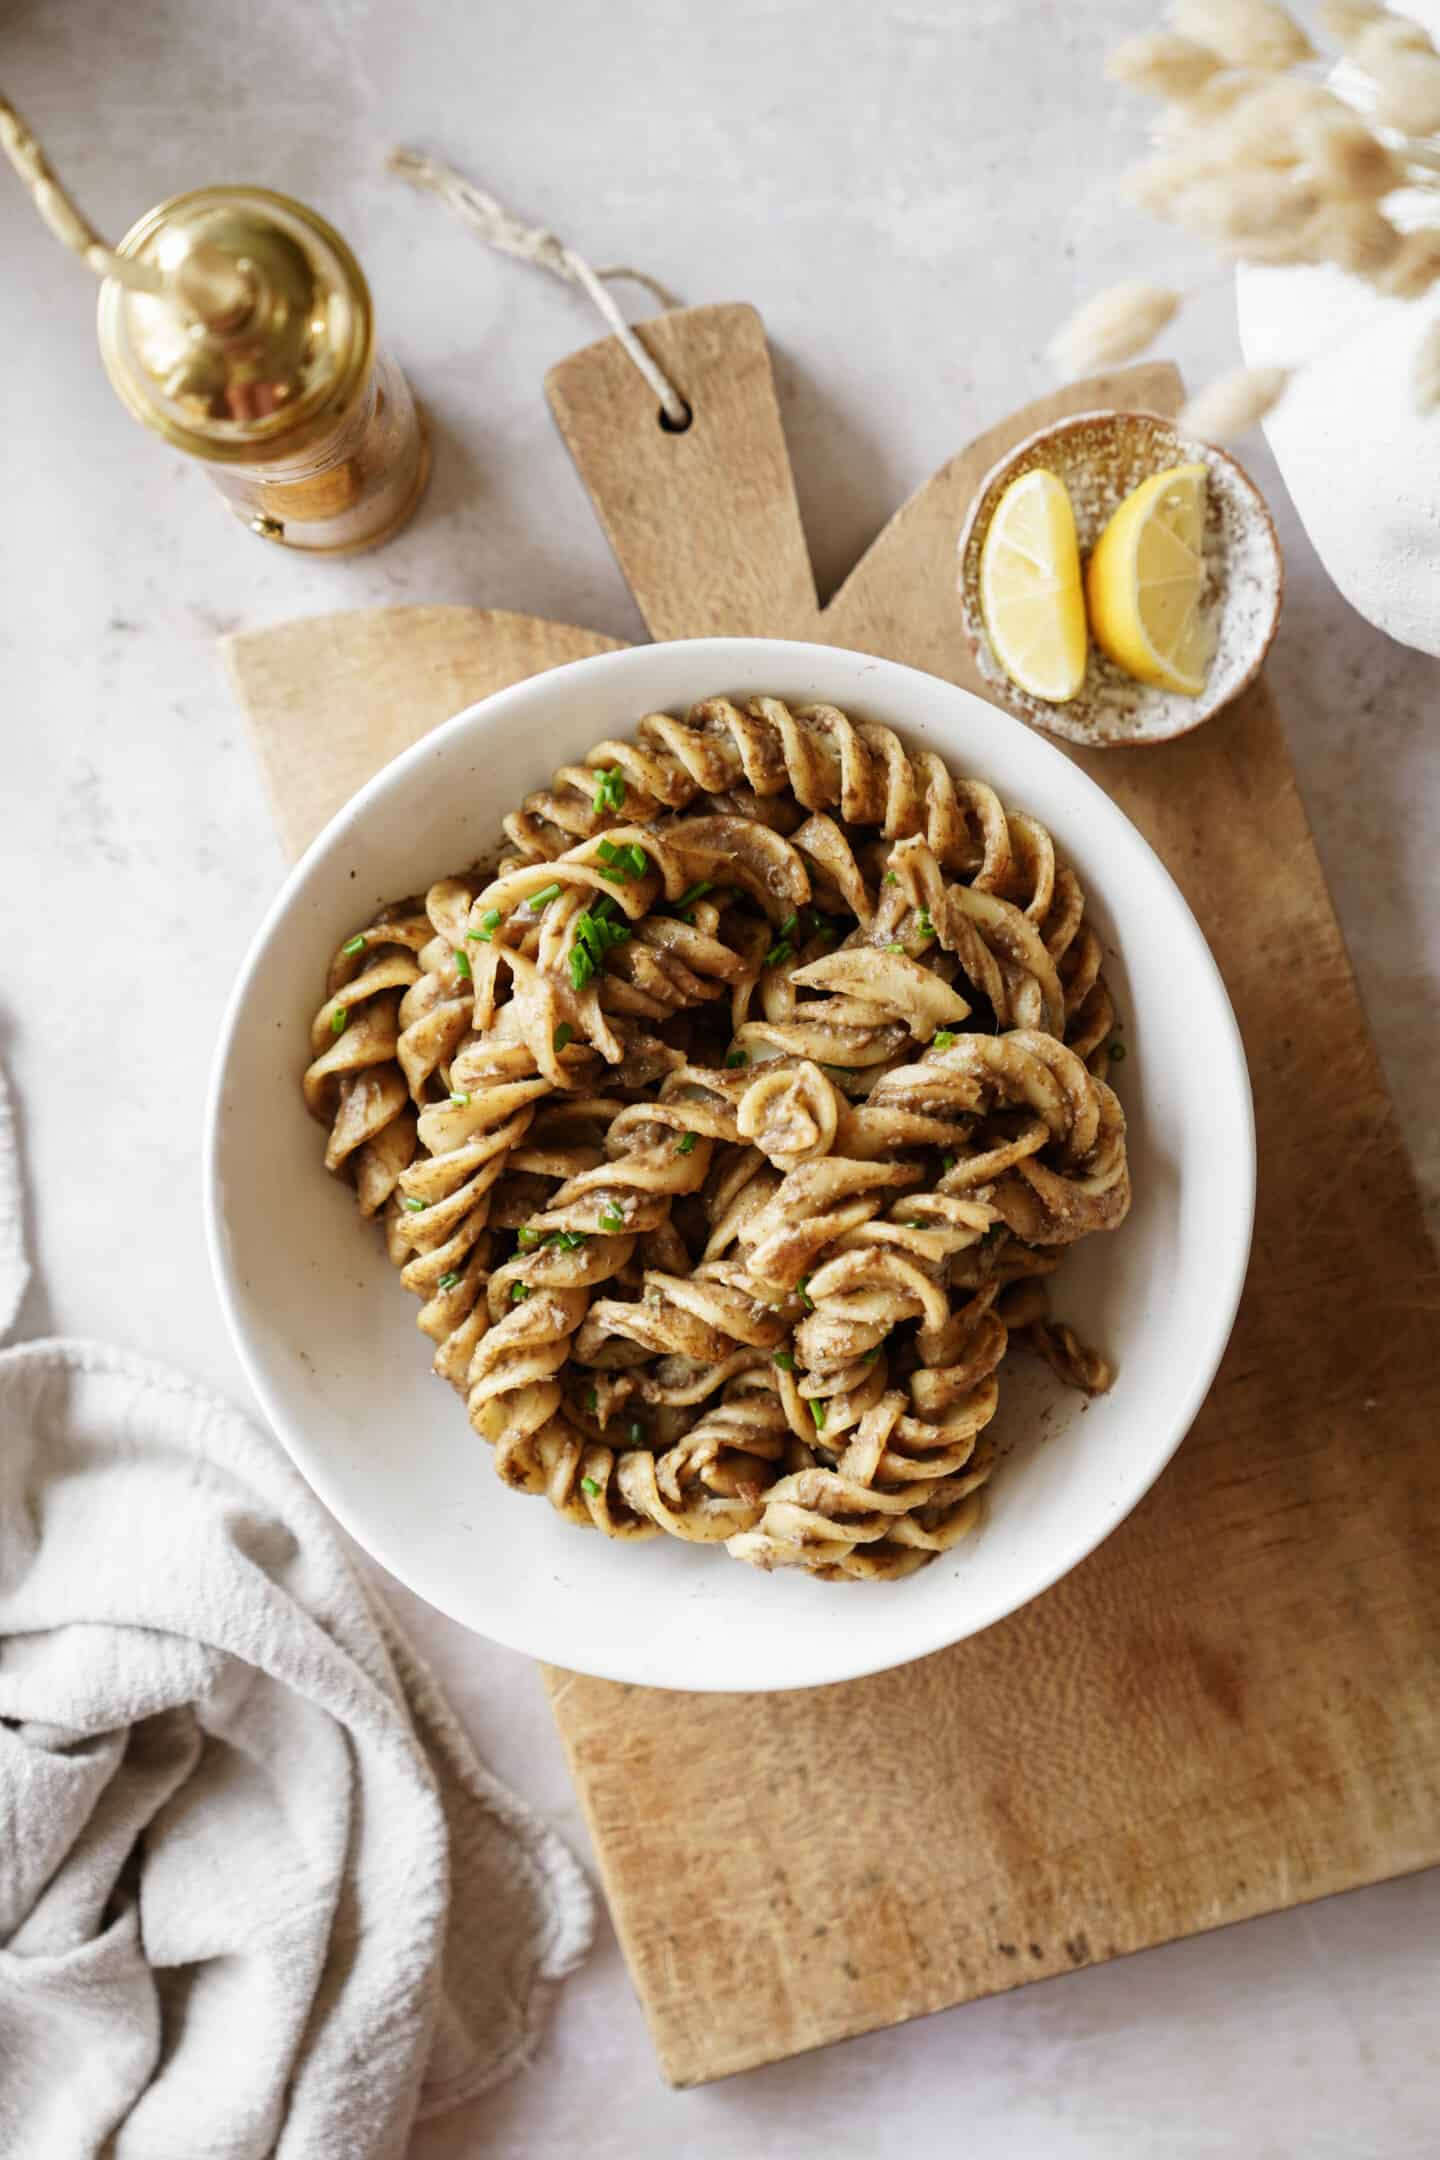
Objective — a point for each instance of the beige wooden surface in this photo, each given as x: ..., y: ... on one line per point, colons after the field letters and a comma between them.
x: 332, y: 698
x: 1231, y: 1706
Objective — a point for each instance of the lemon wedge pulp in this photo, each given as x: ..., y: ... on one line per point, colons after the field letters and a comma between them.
x: 1030, y: 592
x: 1146, y: 579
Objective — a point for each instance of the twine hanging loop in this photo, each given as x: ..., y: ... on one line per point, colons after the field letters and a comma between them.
x: 501, y: 229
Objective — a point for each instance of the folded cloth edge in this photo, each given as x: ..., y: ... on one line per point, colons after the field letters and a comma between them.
x: 569, y: 1899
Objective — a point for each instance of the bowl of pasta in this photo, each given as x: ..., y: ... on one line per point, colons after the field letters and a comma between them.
x: 804, y: 1123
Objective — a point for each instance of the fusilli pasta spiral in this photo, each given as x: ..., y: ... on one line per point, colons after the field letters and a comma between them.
x: 728, y: 1132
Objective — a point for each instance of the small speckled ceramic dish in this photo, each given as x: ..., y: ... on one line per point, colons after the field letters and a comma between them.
x: 1101, y: 457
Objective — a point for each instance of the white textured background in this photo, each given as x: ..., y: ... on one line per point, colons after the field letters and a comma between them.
x: 912, y: 196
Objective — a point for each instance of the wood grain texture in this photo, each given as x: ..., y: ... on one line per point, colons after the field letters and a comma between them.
x: 705, y: 525
x: 331, y: 698
x: 1230, y: 1707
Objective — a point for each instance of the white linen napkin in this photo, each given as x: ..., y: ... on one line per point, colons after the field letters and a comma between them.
x: 257, y: 1896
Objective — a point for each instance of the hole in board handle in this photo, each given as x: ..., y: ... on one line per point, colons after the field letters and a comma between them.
x: 676, y: 427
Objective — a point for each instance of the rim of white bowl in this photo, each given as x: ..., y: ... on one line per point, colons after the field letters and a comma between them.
x: 723, y: 659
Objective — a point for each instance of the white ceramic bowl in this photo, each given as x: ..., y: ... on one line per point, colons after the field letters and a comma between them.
x: 328, y: 1336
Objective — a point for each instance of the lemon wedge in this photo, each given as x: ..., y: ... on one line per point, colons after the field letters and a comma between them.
x: 1145, y: 580
x: 1030, y: 591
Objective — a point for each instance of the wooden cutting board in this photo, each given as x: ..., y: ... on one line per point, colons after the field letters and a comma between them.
x: 1232, y: 1706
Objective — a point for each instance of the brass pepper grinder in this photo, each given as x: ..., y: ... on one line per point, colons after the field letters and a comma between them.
x: 239, y: 326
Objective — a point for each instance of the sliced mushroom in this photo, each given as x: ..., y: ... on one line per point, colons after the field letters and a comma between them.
x: 740, y: 852
x: 898, y: 985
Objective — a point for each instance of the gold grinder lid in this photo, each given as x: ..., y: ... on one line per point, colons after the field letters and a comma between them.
x: 264, y: 339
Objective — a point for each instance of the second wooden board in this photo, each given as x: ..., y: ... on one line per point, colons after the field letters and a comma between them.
x: 1230, y: 1707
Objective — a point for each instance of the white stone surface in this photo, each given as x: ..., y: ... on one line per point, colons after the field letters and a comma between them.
x: 913, y: 195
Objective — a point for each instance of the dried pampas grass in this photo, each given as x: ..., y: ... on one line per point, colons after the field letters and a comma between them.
x: 1162, y: 63
x: 1413, y: 268
x: 1244, y: 33
x: 1349, y: 162
x: 1269, y: 166
x: 1349, y: 19
x: 1233, y: 404
x: 1407, y: 86
x: 1114, y: 326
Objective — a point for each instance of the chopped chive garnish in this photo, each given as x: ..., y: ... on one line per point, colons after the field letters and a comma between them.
x: 737, y: 1058
x: 895, y: 948
x: 459, y: 1100
x: 592, y: 1398
x: 563, y: 1034
x: 637, y: 858
x: 607, y: 851
x: 696, y: 892
x: 527, y: 1240
x: 635, y: 1433
x: 448, y: 1280
x: 890, y: 878
x: 801, y: 1288
x: 489, y: 924
x: 354, y: 945
x: 827, y: 933
x: 416, y: 1207
x: 338, y: 1019
x: 780, y: 950
x: 685, y: 1145
x: 569, y: 1240
x: 947, y: 1164
x: 588, y: 1484
x: 462, y: 965
x: 916, y: 1224
x: 942, y: 1040
x: 785, y: 1359
x: 519, y: 1291
x: 546, y: 894
x: 923, y: 923
x: 600, y: 927
x: 871, y: 1355
x: 789, y: 923
x: 1117, y: 1052
x: 611, y: 1219
x: 610, y: 788
x: 819, y: 1413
